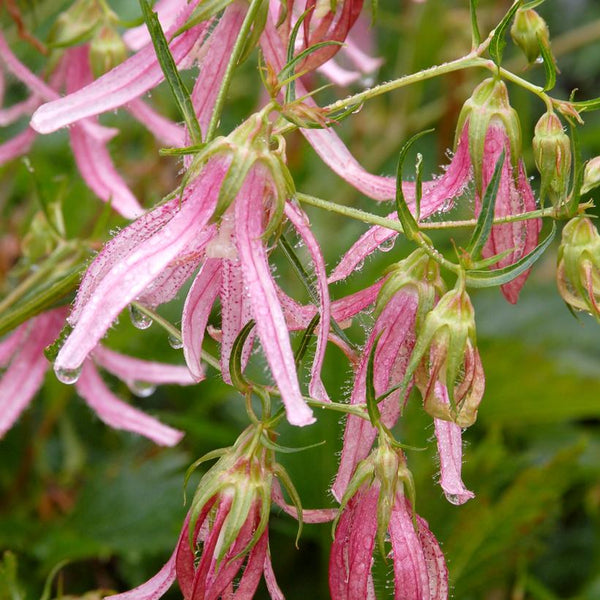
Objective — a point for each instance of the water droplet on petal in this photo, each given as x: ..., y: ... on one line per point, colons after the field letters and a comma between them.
x: 359, y: 265
x: 68, y: 376
x: 142, y: 389
x: 453, y: 498
x: 175, y: 342
x: 387, y: 245
x: 138, y: 318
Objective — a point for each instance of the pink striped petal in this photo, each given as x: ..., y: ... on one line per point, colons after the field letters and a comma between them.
x: 270, y: 322
x: 196, y: 310
x: 300, y: 222
x: 449, y: 443
x: 120, y: 415
x: 17, y: 146
x: 130, y: 276
x: 127, y: 81
x: 163, y: 129
x: 11, y: 343
x: 435, y: 562
x: 131, y: 369
x: 272, y: 586
x: 338, y: 75
x: 310, y: 515
x: 395, y: 326
x: 16, y: 111
x: 167, y: 11
x: 25, y: 373
x: 235, y: 313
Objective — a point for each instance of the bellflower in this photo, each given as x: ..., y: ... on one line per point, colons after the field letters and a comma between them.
x: 22, y: 354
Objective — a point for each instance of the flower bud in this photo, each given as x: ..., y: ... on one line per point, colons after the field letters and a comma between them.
x: 578, y: 271
x: 76, y: 24
x: 529, y: 31
x: 591, y: 175
x: 489, y: 106
x: 552, y: 153
x: 446, y: 353
x: 107, y: 50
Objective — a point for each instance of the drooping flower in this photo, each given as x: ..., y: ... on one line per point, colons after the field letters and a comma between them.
x: 243, y: 186
x: 376, y: 509
x: 22, y: 354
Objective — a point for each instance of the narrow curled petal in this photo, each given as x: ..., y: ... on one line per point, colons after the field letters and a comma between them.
x: 300, y: 222
x: 310, y: 515
x: 449, y: 443
x: 16, y: 111
x: 17, y: 146
x: 131, y: 275
x: 131, y: 369
x: 119, y: 414
x: 127, y: 81
x: 25, y: 373
x: 270, y: 322
x: 395, y: 330
x: 272, y: 586
x: 352, y: 548
x: 163, y: 129
x: 196, y: 310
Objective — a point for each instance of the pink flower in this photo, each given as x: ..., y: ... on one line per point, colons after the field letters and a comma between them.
x: 420, y: 571
x: 22, y: 354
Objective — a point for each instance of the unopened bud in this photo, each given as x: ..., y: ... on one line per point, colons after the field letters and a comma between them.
x: 578, y: 271
x: 591, y: 175
x: 489, y: 106
x: 107, y: 50
x: 552, y: 153
x: 529, y: 31
x: 75, y: 25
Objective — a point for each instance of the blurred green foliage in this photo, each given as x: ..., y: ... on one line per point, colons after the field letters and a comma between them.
x: 111, y: 505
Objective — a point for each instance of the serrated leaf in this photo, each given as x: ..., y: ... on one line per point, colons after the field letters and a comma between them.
x: 486, y: 216
x: 475, y: 34
x: 236, y: 373
x: 549, y: 64
x: 169, y: 68
x: 409, y: 224
x: 492, y: 278
x: 498, y: 41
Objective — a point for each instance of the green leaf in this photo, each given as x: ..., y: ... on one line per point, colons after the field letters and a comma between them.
x: 409, y: 224
x: 9, y: 587
x: 169, y: 68
x: 286, y: 449
x: 549, y: 64
x: 593, y: 104
x: 370, y: 393
x: 498, y: 41
x: 475, y: 34
x: 492, y: 278
x: 486, y: 216
x: 236, y: 372
x: 258, y: 25
x: 532, y: 4
x: 305, y: 341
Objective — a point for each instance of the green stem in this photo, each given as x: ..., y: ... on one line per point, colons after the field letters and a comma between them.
x: 530, y: 87
x: 358, y: 410
x: 236, y: 53
x: 174, y: 332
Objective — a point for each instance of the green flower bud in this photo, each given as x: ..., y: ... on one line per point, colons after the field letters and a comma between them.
x: 552, y: 153
x: 75, y: 25
x: 578, y: 271
x: 107, y: 50
x: 489, y: 106
x: 591, y: 175
x: 529, y: 31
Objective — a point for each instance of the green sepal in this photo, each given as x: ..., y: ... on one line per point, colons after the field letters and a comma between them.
x: 51, y: 351
x: 286, y: 481
x: 169, y: 68
x: 418, y: 185
x: 370, y: 394
x: 238, y: 379
x: 498, y: 41
x: 532, y: 4
x: 243, y: 499
x: 267, y: 443
x: 485, y: 220
x: 205, y: 458
x: 305, y: 340
x: 582, y: 106
x: 241, y: 162
x: 493, y: 278
x: 204, y: 11
x: 475, y: 34
x: 407, y: 220
x: 549, y: 64
x: 578, y: 169
x: 288, y: 68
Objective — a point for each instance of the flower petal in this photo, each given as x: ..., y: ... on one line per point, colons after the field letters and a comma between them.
x: 163, y: 129
x: 120, y: 415
x: 270, y: 322
x: 17, y: 146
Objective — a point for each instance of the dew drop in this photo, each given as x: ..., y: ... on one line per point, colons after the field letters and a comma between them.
x: 453, y: 498
x: 387, y: 245
x: 175, y: 342
x: 539, y: 60
x: 359, y: 265
x: 68, y: 376
x: 138, y: 318
x: 142, y: 389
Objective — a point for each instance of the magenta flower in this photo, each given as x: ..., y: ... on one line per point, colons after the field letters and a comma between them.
x: 420, y: 571
x: 22, y: 354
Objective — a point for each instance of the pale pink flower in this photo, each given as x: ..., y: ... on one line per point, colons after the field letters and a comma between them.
x: 419, y: 568
x: 22, y: 354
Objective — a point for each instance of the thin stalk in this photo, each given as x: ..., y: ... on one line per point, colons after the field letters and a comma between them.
x: 236, y: 53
